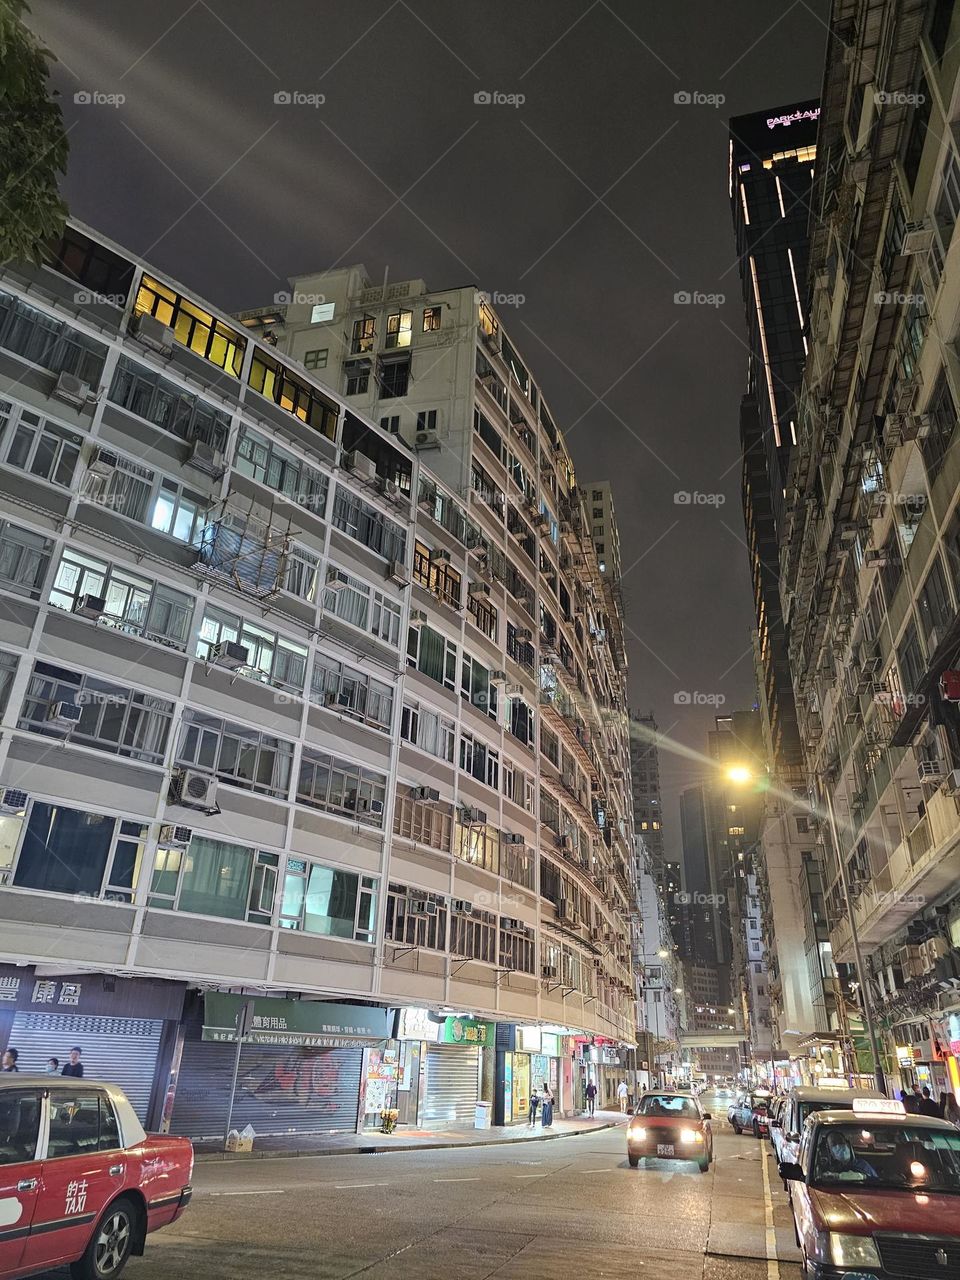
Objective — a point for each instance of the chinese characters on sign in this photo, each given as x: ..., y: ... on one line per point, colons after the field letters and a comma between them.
x: 9, y: 988
x: 45, y: 992
x: 76, y: 1197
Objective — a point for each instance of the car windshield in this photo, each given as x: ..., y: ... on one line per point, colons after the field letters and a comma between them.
x: 758, y: 1100
x: 668, y: 1104
x: 889, y: 1156
x: 808, y: 1108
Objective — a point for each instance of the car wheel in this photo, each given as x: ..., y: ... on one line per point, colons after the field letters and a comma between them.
x: 634, y: 1161
x: 704, y: 1165
x: 736, y: 1128
x: 106, y: 1255
x: 756, y: 1129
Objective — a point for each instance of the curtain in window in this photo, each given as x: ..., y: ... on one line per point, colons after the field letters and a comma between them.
x: 64, y: 850
x: 330, y: 903
x: 216, y: 879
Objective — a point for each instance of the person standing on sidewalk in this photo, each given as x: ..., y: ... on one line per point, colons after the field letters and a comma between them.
x: 534, y: 1104
x: 546, y: 1113
x: 622, y: 1096
x: 591, y: 1098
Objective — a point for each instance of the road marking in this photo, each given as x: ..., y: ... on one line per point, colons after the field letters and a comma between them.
x: 353, y: 1186
x: 456, y: 1179
x: 773, y: 1266
x: 612, y: 1169
x: 531, y: 1175
x: 243, y: 1193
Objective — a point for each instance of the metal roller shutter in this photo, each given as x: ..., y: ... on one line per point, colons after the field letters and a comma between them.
x: 279, y: 1089
x: 121, y: 1050
x: 452, y: 1084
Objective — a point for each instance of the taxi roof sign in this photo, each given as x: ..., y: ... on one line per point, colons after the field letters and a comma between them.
x: 878, y: 1107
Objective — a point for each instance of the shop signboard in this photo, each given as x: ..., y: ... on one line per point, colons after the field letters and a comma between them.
x: 416, y: 1024
x: 550, y: 1044
x: 467, y: 1031
x: 529, y: 1039
x: 309, y: 1023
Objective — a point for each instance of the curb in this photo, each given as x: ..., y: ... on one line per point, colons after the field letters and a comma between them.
x: 208, y: 1157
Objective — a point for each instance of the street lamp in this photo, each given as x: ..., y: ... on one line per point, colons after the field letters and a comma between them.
x: 740, y: 774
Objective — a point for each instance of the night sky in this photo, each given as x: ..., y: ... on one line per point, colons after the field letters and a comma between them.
x: 596, y: 200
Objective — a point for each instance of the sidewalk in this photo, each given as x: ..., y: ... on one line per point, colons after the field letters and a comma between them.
x: 373, y: 1142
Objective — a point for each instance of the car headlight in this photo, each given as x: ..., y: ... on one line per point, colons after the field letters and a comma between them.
x: 689, y: 1135
x: 638, y: 1132
x: 852, y: 1251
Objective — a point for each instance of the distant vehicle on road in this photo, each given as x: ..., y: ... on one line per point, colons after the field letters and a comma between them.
x: 81, y: 1183
x: 670, y: 1126
x: 751, y: 1111
x: 875, y: 1193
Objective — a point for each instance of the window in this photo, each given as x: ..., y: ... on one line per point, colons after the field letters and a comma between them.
x: 943, y: 414
x: 428, y: 730
x: 416, y: 919
x: 132, y: 603
x: 483, y: 614
x: 520, y: 721
x: 19, y: 1124
x: 323, y: 900
x: 490, y: 436
x: 146, y: 394
x: 358, y: 378
x: 431, y: 319
x: 423, y: 823
x: 517, y: 947
x: 934, y: 607
x: 262, y: 459
x: 368, y: 526
x: 474, y: 937
x: 477, y: 687
x: 321, y: 313
x: 489, y: 493
x: 276, y: 382
x: 113, y: 717
x: 399, y: 329
x: 517, y: 786
x: 301, y: 574
x: 436, y: 575
x: 270, y: 658
x: 480, y: 761
x: 516, y: 864
x: 364, y: 333
x: 239, y: 756
x: 351, y: 692
x: 75, y: 852
x: 316, y: 359
x: 8, y: 669
x: 195, y: 328
x: 339, y: 786
x: 81, y: 1121
x: 177, y: 513
x: 393, y: 378
x: 52, y: 344
x: 24, y: 557
x: 85, y: 261
x: 33, y: 444
x: 479, y: 845
x: 354, y: 602
x: 433, y: 655
x: 127, y: 489
x: 948, y: 203
x: 427, y: 420
x: 215, y: 878
x: 519, y: 647
x: 391, y: 424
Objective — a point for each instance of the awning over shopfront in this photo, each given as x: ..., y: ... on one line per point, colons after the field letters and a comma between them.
x: 308, y: 1023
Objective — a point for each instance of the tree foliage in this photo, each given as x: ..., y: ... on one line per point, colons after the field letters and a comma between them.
x: 33, y: 145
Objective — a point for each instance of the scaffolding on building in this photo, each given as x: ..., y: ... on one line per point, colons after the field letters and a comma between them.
x: 249, y: 553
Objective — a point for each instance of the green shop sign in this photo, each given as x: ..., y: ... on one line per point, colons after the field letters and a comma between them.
x: 466, y: 1031
x: 308, y: 1023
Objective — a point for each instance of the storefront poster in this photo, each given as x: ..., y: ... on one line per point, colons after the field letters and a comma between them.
x: 521, y: 1085
x: 507, y: 1088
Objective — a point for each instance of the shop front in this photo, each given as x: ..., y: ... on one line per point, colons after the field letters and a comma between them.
x: 301, y: 1066
x: 126, y: 1028
x: 439, y: 1068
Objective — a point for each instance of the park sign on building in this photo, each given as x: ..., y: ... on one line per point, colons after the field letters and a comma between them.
x: 307, y: 1023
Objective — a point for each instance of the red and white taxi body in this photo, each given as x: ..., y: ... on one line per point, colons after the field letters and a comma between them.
x: 80, y: 1180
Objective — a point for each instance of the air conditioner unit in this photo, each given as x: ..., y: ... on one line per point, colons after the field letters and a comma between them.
x: 514, y: 690
x: 229, y: 655
x: 203, y: 457
x: 177, y: 837
x: 512, y: 837
x: 376, y: 808
x: 397, y: 572
x: 498, y: 677
x: 927, y: 769
x: 359, y: 464
x: 194, y: 789
x: 90, y: 607
x: 417, y: 617
x: 153, y: 333
x: 439, y: 556
x: 478, y: 589
x: 511, y: 922
x: 877, y: 559
x: 427, y: 795
x: 72, y: 390
x: 13, y: 801
x: 549, y: 970
x: 103, y: 462
x: 64, y: 713
x: 422, y: 909
x: 917, y: 426
x: 472, y: 817
x: 951, y: 783
x: 337, y: 698
x: 596, y: 935
x: 525, y: 635
x: 917, y: 238
x: 388, y: 488
x: 462, y: 906
x: 424, y: 438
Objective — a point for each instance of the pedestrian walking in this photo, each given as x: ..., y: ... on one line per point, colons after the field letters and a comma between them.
x: 622, y: 1092
x: 546, y: 1106
x: 927, y: 1106
x: 951, y: 1109
x: 534, y: 1104
x: 53, y: 1066
x: 912, y: 1098
x: 591, y: 1098
x: 74, y: 1067
x: 10, y: 1060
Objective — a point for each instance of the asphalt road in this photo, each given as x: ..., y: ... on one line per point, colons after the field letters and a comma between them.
x: 553, y: 1211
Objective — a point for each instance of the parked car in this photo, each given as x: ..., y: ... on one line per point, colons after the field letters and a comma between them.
x: 875, y: 1193
x: 670, y: 1126
x: 751, y: 1111
x: 777, y: 1108
x: 81, y: 1183
x: 802, y: 1102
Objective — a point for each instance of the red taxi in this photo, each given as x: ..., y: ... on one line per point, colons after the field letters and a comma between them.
x: 80, y: 1180
x: 876, y: 1194
x: 670, y: 1126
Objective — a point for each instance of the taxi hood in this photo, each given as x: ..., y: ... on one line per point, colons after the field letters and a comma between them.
x: 857, y: 1211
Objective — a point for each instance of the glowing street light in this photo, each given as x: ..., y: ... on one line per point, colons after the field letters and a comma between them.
x: 740, y: 774
x: 663, y: 953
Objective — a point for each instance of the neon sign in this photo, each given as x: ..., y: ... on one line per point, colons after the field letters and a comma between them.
x: 811, y: 113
